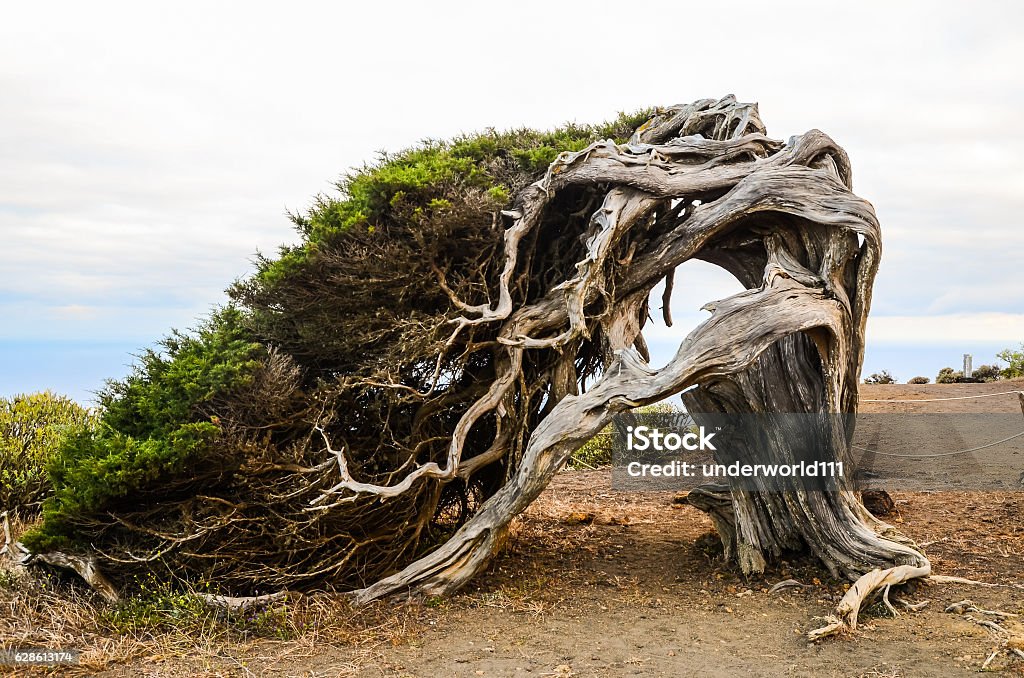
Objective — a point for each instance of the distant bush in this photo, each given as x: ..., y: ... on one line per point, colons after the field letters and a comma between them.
x: 985, y: 373
x: 595, y: 452
x: 1015, y: 362
x: 919, y: 380
x: 599, y: 450
x: 32, y: 428
x: 883, y: 377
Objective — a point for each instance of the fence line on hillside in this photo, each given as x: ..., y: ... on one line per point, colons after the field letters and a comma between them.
x: 935, y: 400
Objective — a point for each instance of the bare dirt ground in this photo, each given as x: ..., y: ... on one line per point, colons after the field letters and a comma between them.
x: 596, y: 582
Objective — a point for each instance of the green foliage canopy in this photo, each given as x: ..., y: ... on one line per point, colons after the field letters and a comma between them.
x: 152, y: 432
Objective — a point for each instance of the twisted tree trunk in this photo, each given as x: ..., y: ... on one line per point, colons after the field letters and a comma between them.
x: 702, y: 182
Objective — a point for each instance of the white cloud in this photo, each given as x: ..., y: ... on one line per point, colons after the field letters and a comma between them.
x: 943, y: 329
x: 77, y: 312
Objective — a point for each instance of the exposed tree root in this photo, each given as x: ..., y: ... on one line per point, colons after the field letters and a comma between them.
x: 965, y: 606
x: 912, y: 607
x: 84, y: 567
x: 945, y: 579
x: 845, y: 618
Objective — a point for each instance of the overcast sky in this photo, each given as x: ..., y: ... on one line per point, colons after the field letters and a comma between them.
x: 147, y: 151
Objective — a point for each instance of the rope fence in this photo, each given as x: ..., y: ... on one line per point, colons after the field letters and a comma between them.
x: 1019, y: 394
x: 935, y: 400
x: 942, y: 454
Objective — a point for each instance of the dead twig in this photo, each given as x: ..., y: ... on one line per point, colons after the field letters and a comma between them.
x: 786, y: 584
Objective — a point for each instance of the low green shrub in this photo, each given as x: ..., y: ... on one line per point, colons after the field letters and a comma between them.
x: 32, y: 429
x: 883, y: 377
x: 151, y: 433
x: 986, y: 373
x: 599, y: 450
x: 919, y: 380
x: 595, y: 453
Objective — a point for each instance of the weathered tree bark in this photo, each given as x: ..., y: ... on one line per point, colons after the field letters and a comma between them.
x: 702, y: 182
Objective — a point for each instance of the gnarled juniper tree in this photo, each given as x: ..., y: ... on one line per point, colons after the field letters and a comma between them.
x: 380, y: 401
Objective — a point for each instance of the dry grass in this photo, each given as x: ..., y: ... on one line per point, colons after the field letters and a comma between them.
x: 46, y: 610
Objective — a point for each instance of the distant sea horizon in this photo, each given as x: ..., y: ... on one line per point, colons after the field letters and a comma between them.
x: 79, y: 369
